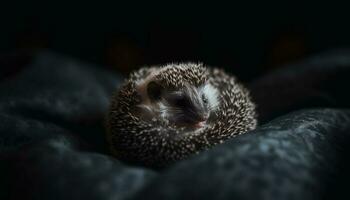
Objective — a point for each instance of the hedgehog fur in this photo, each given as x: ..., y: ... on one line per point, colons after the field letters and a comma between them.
x: 156, y: 143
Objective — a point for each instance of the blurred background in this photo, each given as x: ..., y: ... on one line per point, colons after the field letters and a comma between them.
x: 248, y: 40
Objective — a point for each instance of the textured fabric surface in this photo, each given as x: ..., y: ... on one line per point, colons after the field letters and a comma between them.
x: 52, y: 139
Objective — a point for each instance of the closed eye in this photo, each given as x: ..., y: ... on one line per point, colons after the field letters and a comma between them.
x: 204, y: 99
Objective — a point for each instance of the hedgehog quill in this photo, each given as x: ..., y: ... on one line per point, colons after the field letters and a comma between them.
x: 164, y: 114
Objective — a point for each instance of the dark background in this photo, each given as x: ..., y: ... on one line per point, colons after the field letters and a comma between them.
x: 248, y: 40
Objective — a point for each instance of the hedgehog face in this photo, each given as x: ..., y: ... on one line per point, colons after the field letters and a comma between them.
x: 167, y: 113
x: 188, y: 106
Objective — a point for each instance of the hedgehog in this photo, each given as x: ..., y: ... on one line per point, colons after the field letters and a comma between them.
x: 163, y: 114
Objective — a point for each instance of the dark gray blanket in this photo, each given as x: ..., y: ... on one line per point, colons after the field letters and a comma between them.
x: 52, y: 140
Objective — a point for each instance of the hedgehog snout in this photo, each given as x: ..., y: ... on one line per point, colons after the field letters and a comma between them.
x: 203, y: 117
x: 200, y: 117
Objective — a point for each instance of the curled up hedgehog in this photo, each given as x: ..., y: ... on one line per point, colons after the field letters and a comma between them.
x: 164, y: 114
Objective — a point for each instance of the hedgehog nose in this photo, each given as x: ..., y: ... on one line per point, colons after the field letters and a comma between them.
x: 200, y: 124
x: 200, y: 118
x: 201, y: 121
x: 204, y: 117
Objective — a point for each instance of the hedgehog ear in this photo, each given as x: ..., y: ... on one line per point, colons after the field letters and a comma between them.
x: 154, y: 91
